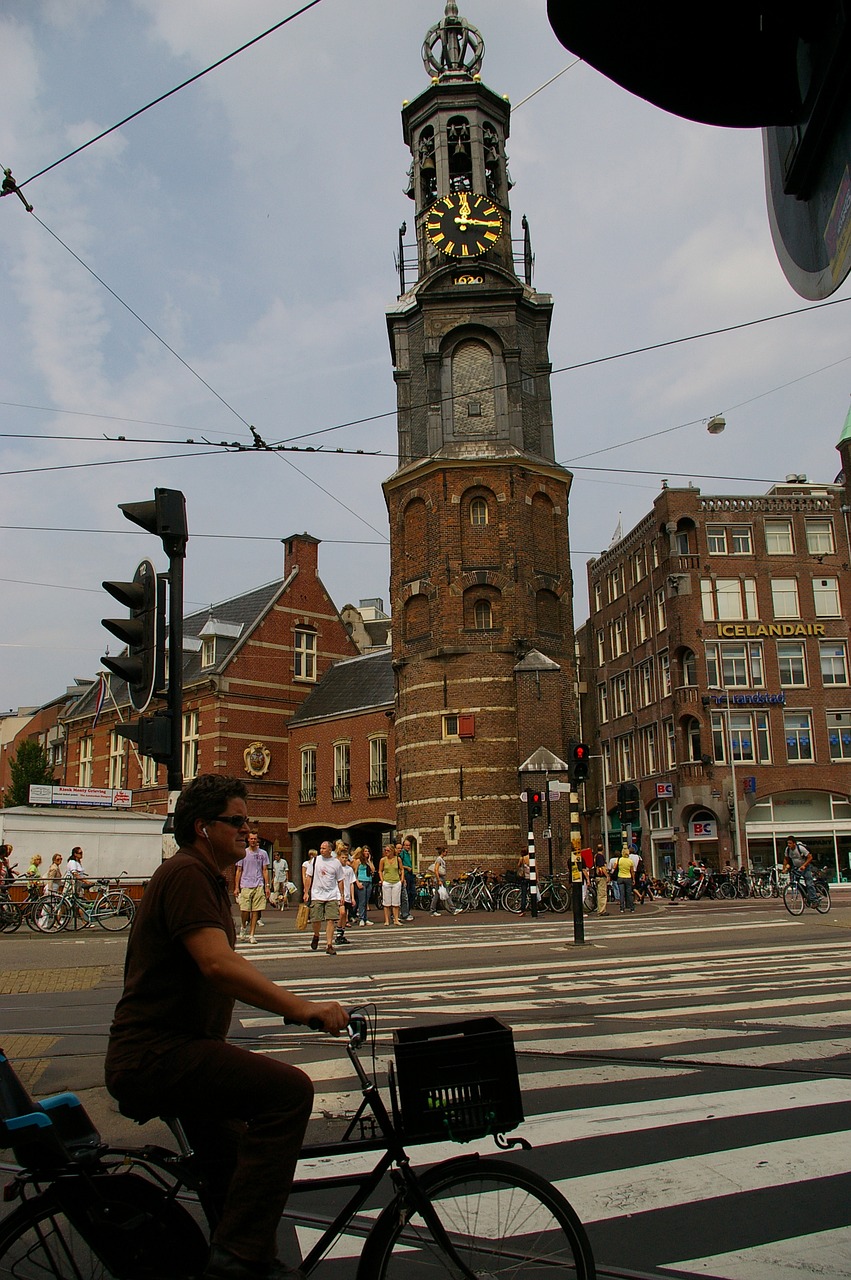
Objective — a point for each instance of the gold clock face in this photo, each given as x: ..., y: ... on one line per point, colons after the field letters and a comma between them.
x: 463, y: 225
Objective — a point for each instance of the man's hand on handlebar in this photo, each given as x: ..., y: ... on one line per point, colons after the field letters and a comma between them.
x: 330, y: 1017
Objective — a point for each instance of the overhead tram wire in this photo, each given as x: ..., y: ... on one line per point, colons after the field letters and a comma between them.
x: 171, y: 92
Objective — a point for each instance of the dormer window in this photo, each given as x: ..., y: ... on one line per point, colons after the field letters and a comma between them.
x: 208, y: 651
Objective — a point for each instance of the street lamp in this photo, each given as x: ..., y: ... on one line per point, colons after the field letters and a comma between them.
x: 741, y: 845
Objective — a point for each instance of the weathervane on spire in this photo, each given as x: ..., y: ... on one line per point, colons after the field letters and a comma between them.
x: 453, y: 48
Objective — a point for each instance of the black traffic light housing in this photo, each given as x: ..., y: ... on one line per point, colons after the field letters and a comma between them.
x: 580, y: 760
x: 143, y: 632
x: 152, y: 736
x: 629, y: 804
x: 536, y: 805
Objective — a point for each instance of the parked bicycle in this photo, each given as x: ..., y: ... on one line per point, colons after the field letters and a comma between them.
x: 89, y: 1210
x: 472, y: 893
x: 111, y: 908
x: 796, y: 895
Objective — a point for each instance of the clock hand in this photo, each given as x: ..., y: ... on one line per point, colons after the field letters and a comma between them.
x: 478, y: 222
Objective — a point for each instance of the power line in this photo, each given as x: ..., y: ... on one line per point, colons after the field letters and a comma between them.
x: 198, y: 75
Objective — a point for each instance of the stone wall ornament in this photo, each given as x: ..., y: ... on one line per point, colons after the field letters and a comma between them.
x: 257, y: 759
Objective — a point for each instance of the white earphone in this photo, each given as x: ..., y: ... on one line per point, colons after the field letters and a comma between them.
x: 204, y: 832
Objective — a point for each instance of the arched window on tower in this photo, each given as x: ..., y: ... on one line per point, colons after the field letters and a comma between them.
x: 473, y: 402
x: 482, y: 608
x: 427, y: 166
x: 478, y: 512
x: 460, y: 156
x: 482, y: 615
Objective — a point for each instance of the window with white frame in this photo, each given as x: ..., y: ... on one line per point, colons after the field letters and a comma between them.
x: 820, y: 537
x: 84, y: 771
x: 741, y: 540
x: 650, y: 748
x: 449, y: 725
x: 602, y: 703
x: 778, y: 537
x: 644, y: 683
x: 601, y: 649
x: 598, y: 596
x: 716, y: 539
x: 624, y: 770
x: 616, y: 583
x: 661, y: 610
x: 695, y: 746
x: 680, y: 542
x: 784, y: 598
x: 728, y: 599
x: 664, y: 674
x: 606, y: 749
x: 208, y: 651
x: 117, y: 753
x: 621, y: 704
x: 670, y: 735
x: 342, y: 789
x: 150, y: 772
x: 478, y: 512
x: 660, y: 815
x: 378, y: 766
x: 833, y: 656
x: 642, y: 629
x: 639, y: 565
x: 839, y: 734
x: 482, y: 616
x: 792, y: 664
x: 191, y: 744
x: 734, y: 664
x: 798, y: 731
x: 307, y: 785
x: 304, y: 654
x: 618, y: 631
x: 654, y: 554
x: 748, y: 734
x: 826, y: 597
x: 689, y: 666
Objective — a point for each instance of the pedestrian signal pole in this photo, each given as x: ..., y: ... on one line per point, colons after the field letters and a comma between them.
x: 534, y: 810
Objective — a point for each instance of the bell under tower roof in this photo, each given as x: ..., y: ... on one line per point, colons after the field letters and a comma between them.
x: 453, y: 48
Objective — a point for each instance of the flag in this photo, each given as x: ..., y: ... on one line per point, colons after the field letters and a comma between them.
x: 101, y: 698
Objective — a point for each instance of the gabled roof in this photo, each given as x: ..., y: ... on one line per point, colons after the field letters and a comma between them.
x: 353, y: 685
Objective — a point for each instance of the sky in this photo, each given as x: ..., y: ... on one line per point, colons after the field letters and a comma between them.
x: 251, y: 220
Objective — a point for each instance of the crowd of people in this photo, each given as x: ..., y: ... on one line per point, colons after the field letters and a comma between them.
x: 39, y: 881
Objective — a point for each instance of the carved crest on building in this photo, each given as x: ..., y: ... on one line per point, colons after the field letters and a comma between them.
x: 257, y: 759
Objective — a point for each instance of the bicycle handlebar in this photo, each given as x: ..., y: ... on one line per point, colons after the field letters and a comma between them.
x: 356, y: 1031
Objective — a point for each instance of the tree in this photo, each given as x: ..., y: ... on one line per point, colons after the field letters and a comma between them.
x: 28, y: 767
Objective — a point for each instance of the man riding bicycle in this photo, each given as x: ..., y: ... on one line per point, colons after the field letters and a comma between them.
x: 244, y: 1113
x: 798, y: 857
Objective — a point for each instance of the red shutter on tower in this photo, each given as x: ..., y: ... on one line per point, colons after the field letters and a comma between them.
x: 467, y: 726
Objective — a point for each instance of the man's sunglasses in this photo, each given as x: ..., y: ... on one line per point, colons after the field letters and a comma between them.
x: 234, y: 820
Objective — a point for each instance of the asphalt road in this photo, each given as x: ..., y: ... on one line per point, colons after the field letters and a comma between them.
x: 686, y: 1074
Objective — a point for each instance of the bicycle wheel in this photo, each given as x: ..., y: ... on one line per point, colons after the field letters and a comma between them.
x: 50, y: 914
x: 726, y: 889
x: 129, y: 1229
x: 114, y: 910
x: 793, y: 899
x: 822, y: 903
x: 10, y: 917
x: 459, y: 898
x: 502, y: 1220
x: 559, y: 896
x: 511, y: 900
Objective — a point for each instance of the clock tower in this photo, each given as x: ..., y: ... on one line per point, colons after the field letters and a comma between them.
x: 480, y: 584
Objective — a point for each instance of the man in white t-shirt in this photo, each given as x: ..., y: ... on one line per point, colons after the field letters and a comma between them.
x: 76, y: 872
x: 324, y: 889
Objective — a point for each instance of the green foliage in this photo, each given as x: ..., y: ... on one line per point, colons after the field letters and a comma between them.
x: 27, y: 767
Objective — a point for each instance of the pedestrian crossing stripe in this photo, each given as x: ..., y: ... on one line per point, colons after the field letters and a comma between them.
x: 778, y: 1260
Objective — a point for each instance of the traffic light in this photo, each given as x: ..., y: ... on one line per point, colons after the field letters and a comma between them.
x: 151, y: 734
x: 536, y: 805
x: 629, y: 804
x: 143, y: 632
x: 580, y: 761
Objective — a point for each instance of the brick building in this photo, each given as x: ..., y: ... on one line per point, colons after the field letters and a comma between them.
x: 481, y: 591
x: 249, y: 663
x: 717, y: 666
x: 341, y: 752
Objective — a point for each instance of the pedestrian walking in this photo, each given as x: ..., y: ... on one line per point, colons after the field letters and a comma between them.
x: 251, y: 886
x: 280, y: 882
x: 406, y: 853
x: 625, y: 880
x: 523, y: 875
x: 323, y: 891
x: 440, y: 896
x: 390, y: 874
x: 347, y: 910
x: 601, y: 880
x: 364, y: 874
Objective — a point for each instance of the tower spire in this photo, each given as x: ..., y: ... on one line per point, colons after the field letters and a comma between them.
x: 453, y: 48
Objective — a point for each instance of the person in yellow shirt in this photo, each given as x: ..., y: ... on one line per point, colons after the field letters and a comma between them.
x: 626, y: 880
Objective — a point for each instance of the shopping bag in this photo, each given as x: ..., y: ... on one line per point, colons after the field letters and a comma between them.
x: 302, y: 916
x: 443, y: 893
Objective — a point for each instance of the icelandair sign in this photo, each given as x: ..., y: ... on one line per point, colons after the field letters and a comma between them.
x: 748, y: 630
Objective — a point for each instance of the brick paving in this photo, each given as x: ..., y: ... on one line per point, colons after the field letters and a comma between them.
x: 16, y: 982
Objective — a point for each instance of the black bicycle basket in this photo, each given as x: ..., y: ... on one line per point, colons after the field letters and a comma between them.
x: 456, y: 1081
